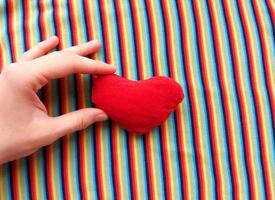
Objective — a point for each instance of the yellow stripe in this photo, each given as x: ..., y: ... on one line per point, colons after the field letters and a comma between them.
x: 18, y: 51
x: 183, y: 117
x: 233, y: 115
x: 259, y: 88
x: 15, y: 29
x: 137, y: 142
x: 270, y: 62
x: 69, y: 104
x: 95, y: 34
x: 3, y: 41
x: 191, y: 54
x: 246, y: 91
x: 255, y: 59
x: 217, y: 120
x: 152, y: 136
x: 103, y: 132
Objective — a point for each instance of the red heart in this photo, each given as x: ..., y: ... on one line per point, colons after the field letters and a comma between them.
x: 137, y: 106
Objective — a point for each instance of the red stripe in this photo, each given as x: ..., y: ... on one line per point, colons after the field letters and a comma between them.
x: 259, y: 111
x: 192, y: 96
x: 10, y: 29
x: 32, y: 157
x: 115, y: 147
x: 267, y: 65
x: 131, y: 149
x: 26, y: 23
x: 272, y: 10
x: 237, y: 66
x: 15, y: 179
x: 106, y: 30
x: 42, y: 19
x: 226, y: 97
x: 99, y: 167
x: 125, y: 65
x: 32, y: 176
x: 46, y: 90
x: 14, y: 164
x: 65, y: 173
x: 211, y: 111
x: 107, y: 42
x: 169, y: 41
x: 165, y: 157
x: 88, y: 20
x: 156, y: 64
x: 122, y: 39
x: 149, y: 166
x: 185, y: 187
x: 252, y: 67
x: 89, y: 23
x: 80, y: 98
x: 154, y: 35
x: 141, y: 67
x: 138, y: 38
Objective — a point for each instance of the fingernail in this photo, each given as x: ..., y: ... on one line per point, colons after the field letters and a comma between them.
x: 53, y: 37
x: 101, y: 117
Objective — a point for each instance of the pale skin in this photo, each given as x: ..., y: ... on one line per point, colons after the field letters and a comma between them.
x: 25, y: 125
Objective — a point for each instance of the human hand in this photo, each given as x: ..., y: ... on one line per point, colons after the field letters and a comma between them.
x: 24, y: 123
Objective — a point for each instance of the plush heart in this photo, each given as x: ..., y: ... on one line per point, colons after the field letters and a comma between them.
x: 137, y: 106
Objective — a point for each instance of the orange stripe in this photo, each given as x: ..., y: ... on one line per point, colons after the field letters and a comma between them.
x: 172, y: 66
x: 244, y: 110
x: 255, y: 88
x: 64, y: 104
x: 266, y: 57
x: 47, y: 99
x: 194, y: 106
x: 125, y: 65
x: 15, y: 179
x: 80, y: 100
x: 115, y: 147
x: 226, y: 96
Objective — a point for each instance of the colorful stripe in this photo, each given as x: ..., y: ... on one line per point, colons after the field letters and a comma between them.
x: 219, y: 143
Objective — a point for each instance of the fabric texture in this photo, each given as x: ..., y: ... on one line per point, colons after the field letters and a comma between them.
x: 219, y: 143
x: 137, y: 106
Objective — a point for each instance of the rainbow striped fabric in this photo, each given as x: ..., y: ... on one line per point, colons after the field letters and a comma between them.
x: 220, y: 142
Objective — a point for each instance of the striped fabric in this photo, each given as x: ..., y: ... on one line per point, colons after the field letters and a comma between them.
x: 220, y: 142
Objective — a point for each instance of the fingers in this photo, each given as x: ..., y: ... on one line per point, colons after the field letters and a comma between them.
x: 40, y: 49
x: 74, y: 121
x: 63, y: 63
x: 47, y: 45
x: 85, y: 48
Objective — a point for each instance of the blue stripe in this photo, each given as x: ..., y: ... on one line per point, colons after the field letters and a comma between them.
x: 172, y: 120
x: 6, y: 171
x: 205, y: 108
x: 148, y: 49
x: 186, y: 106
x: 72, y: 92
x: 92, y: 166
x: 24, y: 167
x: 262, y: 81
x: 221, y: 106
x: 109, y: 163
x: 272, y: 48
x: 234, y: 94
x: 5, y: 34
x: 263, y: 73
x: 251, y: 100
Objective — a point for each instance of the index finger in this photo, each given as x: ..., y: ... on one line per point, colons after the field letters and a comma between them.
x: 63, y: 63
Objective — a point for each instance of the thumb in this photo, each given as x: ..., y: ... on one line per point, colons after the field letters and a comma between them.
x: 76, y: 121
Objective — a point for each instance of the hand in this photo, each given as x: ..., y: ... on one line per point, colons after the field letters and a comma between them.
x: 24, y: 123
